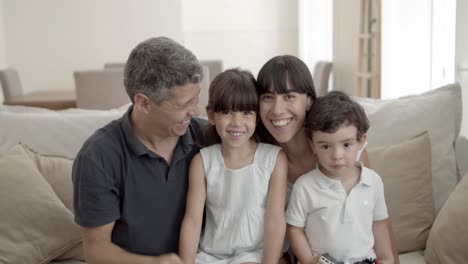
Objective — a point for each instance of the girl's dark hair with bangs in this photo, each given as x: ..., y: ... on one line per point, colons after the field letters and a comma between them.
x: 283, y: 74
x: 231, y: 90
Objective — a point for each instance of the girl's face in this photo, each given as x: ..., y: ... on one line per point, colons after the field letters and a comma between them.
x: 234, y: 128
x: 283, y: 114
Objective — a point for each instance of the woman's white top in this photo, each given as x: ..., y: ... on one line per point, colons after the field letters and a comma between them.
x: 236, y: 202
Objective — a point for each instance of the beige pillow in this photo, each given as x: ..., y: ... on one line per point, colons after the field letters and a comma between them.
x: 439, y: 112
x: 448, y: 240
x: 57, y: 172
x: 35, y: 227
x: 405, y: 169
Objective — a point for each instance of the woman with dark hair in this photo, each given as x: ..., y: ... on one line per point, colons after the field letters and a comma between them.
x: 286, y: 91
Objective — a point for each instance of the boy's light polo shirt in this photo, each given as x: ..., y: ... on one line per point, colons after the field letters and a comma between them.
x: 336, y: 222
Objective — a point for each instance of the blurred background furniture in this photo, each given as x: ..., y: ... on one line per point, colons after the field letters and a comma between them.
x: 215, y: 67
x: 211, y: 68
x: 321, y: 76
x: 100, y: 89
x: 114, y: 65
x: 52, y: 99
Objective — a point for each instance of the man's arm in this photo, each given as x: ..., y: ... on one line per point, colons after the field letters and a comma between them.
x: 193, y: 219
x: 382, y: 246
x: 99, y: 249
x: 275, y: 223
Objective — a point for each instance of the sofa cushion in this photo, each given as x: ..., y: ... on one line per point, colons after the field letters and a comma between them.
x: 60, y: 133
x: 438, y: 112
x: 56, y: 171
x: 405, y: 169
x: 36, y: 227
x: 448, y: 239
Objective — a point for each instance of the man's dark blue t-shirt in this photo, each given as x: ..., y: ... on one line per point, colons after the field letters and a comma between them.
x: 116, y: 178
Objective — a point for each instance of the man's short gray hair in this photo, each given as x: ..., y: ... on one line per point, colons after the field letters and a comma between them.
x: 156, y: 65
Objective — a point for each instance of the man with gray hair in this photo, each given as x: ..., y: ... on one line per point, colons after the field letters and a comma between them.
x: 130, y: 177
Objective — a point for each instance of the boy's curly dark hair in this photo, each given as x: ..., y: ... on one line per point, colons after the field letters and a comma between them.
x: 333, y: 110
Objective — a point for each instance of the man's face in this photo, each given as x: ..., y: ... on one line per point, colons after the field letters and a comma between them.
x: 172, y: 116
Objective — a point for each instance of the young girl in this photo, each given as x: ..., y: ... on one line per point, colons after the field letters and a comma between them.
x: 242, y: 182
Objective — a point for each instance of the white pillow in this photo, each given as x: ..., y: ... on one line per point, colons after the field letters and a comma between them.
x: 437, y: 111
x: 59, y: 133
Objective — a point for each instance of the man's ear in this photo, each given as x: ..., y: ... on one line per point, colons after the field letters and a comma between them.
x: 142, y: 102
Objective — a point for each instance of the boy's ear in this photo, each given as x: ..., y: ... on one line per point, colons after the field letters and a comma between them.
x: 311, y: 144
x: 363, y: 138
x: 142, y: 102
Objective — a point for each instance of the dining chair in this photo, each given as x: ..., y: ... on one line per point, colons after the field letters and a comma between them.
x: 11, y: 84
x: 114, y: 65
x: 100, y: 89
x: 215, y: 67
x: 321, y: 76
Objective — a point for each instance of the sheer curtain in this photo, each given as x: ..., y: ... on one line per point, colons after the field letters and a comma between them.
x: 315, y: 31
x: 418, y: 46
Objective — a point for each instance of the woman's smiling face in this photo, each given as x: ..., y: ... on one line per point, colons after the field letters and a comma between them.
x: 283, y: 114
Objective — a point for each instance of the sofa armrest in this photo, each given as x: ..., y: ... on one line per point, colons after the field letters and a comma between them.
x: 461, y: 154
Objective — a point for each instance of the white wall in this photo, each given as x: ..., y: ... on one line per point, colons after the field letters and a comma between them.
x: 243, y: 33
x: 3, y: 59
x: 49, y: 39
x: 345, y: 44
x: 461, y: 57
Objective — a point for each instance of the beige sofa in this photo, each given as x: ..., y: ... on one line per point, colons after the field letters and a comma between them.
x: 414, y: 144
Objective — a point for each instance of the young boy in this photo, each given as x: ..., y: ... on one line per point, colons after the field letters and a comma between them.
x: 337, y: 210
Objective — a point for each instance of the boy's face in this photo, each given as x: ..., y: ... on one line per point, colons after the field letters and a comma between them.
x: 337, y: 151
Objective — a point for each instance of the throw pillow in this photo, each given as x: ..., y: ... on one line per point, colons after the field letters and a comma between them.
x: 438, y: 112
x: 36, y: 227
x: 405, y: 169
x: 57, y: 171
x: 448, y: 239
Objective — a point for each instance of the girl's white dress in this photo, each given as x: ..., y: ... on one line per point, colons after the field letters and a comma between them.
x: 235, y: 206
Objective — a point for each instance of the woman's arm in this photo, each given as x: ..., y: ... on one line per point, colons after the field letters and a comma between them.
x: 382, y: 246
x: 275, y: 223
x: 299, y: 244
x: 365, y: 161
x: 191, y: 225
x: 396, y: 258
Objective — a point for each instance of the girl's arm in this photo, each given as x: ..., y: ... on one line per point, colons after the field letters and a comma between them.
x: 191, y: 225
x: 300, y: 245
x: 383, y: 245
x: 275, y: 223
